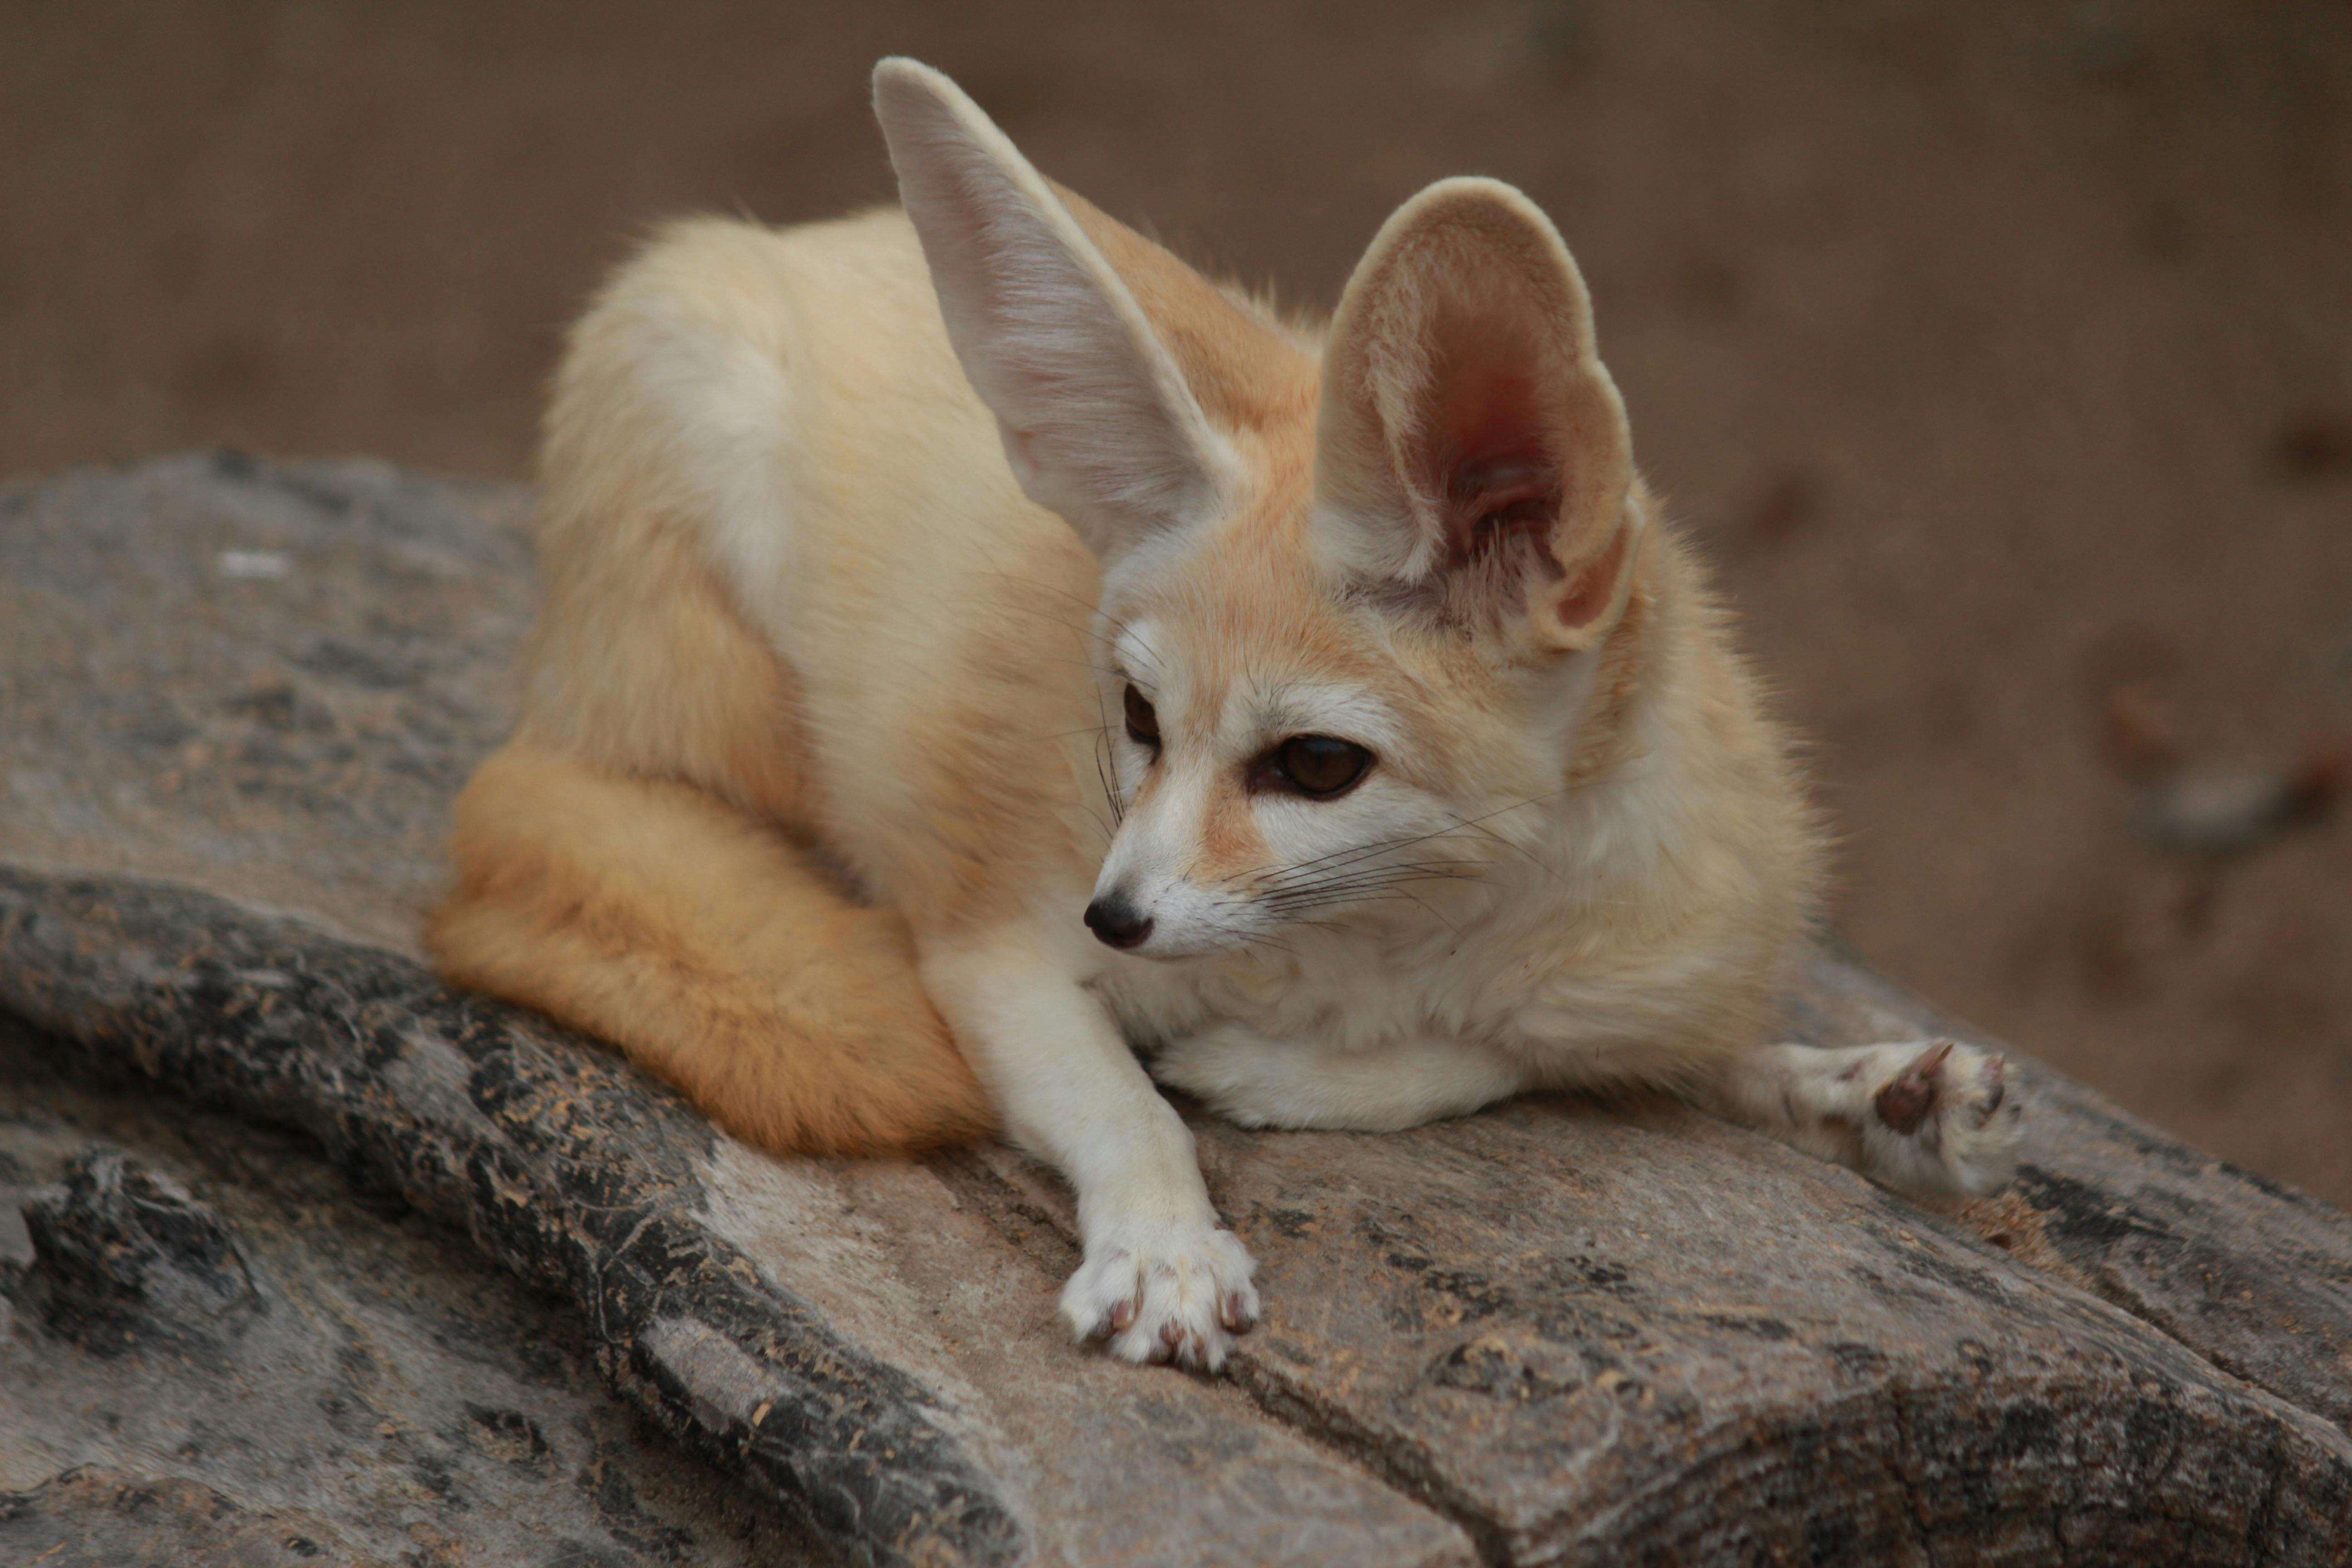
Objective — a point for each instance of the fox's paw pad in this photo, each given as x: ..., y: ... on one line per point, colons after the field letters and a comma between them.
x: 1947, y: 1122
x: 1156, y: 1291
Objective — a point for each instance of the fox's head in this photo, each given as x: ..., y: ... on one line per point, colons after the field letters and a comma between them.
x: 1363, y: 597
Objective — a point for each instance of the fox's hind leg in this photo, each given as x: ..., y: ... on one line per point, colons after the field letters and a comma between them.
x: 708, y: 946
x: 1929, y: 1118
x: 1260, y: 1082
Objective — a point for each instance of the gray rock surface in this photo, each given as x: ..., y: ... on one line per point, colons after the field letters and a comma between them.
x: 1556, y: 1333
x: 215, y: 1351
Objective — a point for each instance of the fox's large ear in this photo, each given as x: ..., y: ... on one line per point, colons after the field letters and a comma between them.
x: 1471, y: 444
x: 1097, y: 419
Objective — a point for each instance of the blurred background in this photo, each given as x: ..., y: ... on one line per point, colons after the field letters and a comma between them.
x: 2001, y: 354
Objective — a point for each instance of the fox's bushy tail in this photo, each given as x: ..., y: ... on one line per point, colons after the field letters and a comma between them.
x: 710, y: 948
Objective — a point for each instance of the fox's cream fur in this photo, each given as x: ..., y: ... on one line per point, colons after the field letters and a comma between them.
x: 917, y: 581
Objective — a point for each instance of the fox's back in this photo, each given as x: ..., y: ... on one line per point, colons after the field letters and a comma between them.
x: 791, y: 396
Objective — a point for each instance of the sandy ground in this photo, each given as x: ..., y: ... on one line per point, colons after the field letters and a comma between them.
x: 2002, y: 353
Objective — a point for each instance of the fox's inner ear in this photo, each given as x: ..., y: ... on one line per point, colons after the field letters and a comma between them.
x: 1098, y: 421
x: 1470, y: 440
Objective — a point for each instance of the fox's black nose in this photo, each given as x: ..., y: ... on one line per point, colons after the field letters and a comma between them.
x: 1116, y: 922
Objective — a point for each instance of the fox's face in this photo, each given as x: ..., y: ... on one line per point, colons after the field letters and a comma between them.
x: 1282, y: 756
x: 1273, y: 765
x: 1358, y: 592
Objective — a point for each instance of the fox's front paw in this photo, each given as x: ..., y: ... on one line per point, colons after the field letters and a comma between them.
x: 1944, y: 1121
x: 1158, y: 1291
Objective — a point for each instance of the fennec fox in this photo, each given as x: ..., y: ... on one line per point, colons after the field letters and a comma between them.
x: 971, y: 637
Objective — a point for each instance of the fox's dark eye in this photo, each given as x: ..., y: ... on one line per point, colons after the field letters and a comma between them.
x: 1321, y: 766
x: 1142, y: 723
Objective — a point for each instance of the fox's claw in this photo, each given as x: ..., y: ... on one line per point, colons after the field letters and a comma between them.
x: 1161, y: 1292
x: 1904, y: 1103
x: 1944, y: 1122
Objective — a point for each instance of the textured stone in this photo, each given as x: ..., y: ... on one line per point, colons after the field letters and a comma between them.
x: 1598, y: 1332
x: 1553, y: 1333
x: 123, y: 1255
x: 93, y: 1518
x: 276, y: 738
x: 211, y: 1346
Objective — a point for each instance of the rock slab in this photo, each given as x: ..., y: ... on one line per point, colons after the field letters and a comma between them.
x: 214, y: 1350
x: 1551, y: 1334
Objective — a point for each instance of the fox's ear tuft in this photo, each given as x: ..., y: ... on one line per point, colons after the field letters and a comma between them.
x: 1098, y: 421
x: 1471, y: 442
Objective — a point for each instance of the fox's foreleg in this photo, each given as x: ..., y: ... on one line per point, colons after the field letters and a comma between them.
x: 1935, y: 1120
x: 1162, y: 1279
